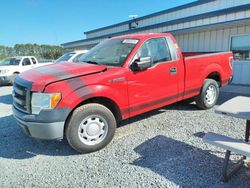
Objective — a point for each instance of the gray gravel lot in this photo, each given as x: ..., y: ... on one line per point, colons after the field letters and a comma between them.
x: 156, y: 149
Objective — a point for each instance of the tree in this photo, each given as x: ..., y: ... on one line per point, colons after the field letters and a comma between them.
x: 39, y: 51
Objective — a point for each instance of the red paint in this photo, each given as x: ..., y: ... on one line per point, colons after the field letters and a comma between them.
x: 188, y: 54
x: 134, y: 93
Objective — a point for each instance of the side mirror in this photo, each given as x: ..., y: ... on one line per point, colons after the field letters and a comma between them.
x: 141, y: 64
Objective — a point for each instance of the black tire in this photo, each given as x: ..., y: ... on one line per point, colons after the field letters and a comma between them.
x: 201, y: 100
x: 85, y: 112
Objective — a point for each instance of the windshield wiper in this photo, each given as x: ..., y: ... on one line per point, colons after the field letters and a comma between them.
x: 93, y: 62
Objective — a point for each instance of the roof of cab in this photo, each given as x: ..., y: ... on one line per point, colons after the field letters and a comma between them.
x: 142, y: 35
x: 19, y: 57
x: 79, y: 51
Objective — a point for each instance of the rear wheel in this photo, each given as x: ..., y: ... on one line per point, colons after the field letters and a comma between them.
x: 209, y: 94
x: 90, y: 128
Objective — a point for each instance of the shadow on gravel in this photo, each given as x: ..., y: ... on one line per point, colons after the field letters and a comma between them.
x: 6, y: 99
x: 225, y: 96
x: 14, y: 144
x: 183, y: 164
x: 182, y: 106
x: 186, y: 105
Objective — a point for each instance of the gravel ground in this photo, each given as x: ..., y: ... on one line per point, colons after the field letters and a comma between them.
x: 161, y: 148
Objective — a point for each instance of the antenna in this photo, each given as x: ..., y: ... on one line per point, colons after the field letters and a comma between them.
x: 134, y: 23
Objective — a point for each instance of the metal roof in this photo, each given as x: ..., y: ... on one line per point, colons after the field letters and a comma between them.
x: 196, y: 3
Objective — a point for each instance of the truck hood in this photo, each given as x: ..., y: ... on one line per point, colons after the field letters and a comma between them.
x: 44, y: 75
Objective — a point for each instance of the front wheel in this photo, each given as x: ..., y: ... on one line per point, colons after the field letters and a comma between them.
x: 90, y: 128
x: 209, y: 94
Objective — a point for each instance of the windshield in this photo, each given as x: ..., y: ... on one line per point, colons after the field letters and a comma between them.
x: 111, y: 52
x: 10, y: 61
x: 65, y: 57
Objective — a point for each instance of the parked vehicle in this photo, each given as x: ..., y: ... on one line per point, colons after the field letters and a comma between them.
x: 119, y: 78
x: 71, y: 56
x: 11, y: 67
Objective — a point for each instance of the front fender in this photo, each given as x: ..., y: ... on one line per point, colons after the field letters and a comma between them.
x: 119, y: 96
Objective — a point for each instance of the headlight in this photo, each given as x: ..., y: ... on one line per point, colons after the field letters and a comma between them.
x: 44, y: 101
x: 4, y: 71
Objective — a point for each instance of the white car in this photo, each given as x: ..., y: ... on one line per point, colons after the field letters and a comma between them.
x: 11, y: 67
x: 71, y: 56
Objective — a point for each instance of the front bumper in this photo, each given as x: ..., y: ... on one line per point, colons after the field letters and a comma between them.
x: 5, y: 79
x: 46, y: 125
x: 45, y: 131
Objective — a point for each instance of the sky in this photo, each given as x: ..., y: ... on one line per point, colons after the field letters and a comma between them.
x: 58, y: 21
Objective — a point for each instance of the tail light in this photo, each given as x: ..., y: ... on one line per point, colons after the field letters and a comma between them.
x: 231, y: 60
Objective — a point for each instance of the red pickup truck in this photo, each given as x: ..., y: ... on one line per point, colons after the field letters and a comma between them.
x: 119, y: 78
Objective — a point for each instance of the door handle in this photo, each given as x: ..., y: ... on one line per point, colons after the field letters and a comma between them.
x: 173, y: 70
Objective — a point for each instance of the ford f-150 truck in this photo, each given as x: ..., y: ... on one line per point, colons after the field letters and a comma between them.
x: 119, y: 78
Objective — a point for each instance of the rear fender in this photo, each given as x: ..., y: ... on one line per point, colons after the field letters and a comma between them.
x: 211, y: 69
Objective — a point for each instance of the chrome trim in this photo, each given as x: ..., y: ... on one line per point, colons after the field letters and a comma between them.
x: 18, y: 91
x: 19, y: 101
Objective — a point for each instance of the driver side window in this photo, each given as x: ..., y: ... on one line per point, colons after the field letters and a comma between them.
x: 144, y: 51
x: 157, y: 49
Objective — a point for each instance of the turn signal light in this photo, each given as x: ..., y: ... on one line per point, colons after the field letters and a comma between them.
x: 55, y: 98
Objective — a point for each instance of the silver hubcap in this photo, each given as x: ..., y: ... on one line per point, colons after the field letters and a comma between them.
x: 92, y: 130
x: 211, y: 94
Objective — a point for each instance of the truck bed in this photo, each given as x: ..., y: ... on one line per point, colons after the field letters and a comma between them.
x: 198, y: 66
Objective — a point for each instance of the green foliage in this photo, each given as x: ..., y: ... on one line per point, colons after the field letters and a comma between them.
x: 39, y: 51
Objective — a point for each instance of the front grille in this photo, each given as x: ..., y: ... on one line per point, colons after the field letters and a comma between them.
x: 21, y: 97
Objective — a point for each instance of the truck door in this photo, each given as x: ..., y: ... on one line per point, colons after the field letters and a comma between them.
x: 158, y: 85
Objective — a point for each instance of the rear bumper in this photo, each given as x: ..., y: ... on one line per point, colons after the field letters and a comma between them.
x: 230, y: 80
x: 226, y: 82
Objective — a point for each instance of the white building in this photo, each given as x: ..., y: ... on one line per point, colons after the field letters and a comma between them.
x: 200, y: 26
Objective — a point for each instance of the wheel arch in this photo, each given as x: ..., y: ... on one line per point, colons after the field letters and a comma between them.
x: 215, y: 76
x: 213, y: 71
x: 107, y: 102
x: 100, y: 94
